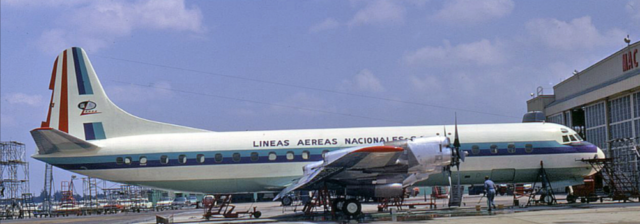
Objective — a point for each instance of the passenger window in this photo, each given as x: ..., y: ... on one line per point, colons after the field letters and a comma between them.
x: 305, y: 155
x: 289, y: 155
x: 182, y: 159
x: 528, y: 148
x: 236, y: 157
x: 272, y: 156
x: 475, y: 149
x: 565, y: 139
x: 254, y: 156
x: 143, y: 160
x: 511, y: 148
x: 164, y: 159
x: 573, y: 138
x: 324, y: 152
x: 119, y: 161
x: 218, y: 158
x: 200, y: 158
x: 127, y: 160
x: 494, y: 149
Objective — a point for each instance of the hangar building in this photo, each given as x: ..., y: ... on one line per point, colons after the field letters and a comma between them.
x: 602, y: 103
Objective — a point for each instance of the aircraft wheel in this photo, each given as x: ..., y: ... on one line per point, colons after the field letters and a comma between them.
x: 352, y: 207
x: 337, y: 204
x: 257, y: 214
x: 571, y: 199
x: 286, y: 201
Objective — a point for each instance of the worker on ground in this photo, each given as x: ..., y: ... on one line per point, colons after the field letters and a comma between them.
x: 490, y: 191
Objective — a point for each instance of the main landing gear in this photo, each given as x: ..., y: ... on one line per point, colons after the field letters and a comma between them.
x: 322, y: 199
x: 352, y: 207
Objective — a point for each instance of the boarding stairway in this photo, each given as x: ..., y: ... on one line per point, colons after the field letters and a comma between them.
x: 621, y: 188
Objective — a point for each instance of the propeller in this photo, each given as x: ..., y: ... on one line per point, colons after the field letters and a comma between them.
x: 456, y: 156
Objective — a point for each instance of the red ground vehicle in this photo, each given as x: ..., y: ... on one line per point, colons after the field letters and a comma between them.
x: 585, y: 192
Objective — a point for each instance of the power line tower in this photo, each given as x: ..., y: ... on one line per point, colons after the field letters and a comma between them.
x: 14, y: 177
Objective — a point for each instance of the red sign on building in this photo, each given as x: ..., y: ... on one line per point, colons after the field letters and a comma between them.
x: 630, y: 60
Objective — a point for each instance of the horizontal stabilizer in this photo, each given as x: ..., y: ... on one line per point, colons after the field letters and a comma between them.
x: 50, y: 140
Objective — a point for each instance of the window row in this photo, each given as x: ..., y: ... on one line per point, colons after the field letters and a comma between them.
x: 558, y: 119
x: 511, y: 148
x: 636, y: 104
x: 218, y: 158
x: 594, y: 115
x: 620, y: 109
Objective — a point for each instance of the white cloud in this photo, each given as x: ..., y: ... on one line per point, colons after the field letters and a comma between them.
x: 136, y: 93
x: 379, y: 12
x: 364, y: 81
x: 471, y: 11
x: 25, y: 99
x: 578, y: 33
x: 327, y: 24
x: 482, y: 53
x: 427, y: 84
x: 97, y: 23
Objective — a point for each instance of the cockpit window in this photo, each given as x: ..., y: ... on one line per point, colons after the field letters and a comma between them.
x: 579, y: 138
x: 565, y: 139
x: 573, y: 138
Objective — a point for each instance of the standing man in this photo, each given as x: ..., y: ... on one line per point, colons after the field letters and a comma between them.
x: 490, y: 191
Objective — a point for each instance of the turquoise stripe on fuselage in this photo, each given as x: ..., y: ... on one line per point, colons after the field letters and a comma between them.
x: 265, y: 152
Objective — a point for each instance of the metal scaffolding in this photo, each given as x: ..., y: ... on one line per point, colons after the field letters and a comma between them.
x: 14, y: 178
x: 624, y: 152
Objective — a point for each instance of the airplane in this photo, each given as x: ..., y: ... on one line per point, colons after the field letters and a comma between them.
x: 86, y: 133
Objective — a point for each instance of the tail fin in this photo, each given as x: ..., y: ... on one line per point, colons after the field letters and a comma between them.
x: 80, y: 107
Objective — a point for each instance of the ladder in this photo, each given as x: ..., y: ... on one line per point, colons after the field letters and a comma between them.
x: 621, y: 188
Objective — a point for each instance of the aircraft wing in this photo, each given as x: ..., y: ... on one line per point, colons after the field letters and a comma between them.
x: 360, y: 164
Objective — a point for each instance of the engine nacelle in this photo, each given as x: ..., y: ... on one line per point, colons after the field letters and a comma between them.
x: 430, y: 154
x: 378, y: 191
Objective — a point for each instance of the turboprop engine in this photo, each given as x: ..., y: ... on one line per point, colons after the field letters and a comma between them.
x: 429, y: 154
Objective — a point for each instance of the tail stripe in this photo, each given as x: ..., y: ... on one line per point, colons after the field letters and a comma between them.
x: 94, y: 131
x: 64, y: 98
x: 51, y: 87
x: 84, y: 85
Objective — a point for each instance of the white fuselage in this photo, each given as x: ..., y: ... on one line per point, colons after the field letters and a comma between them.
x: 209, y: 161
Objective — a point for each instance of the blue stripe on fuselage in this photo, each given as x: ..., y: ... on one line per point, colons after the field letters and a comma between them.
x: 153, y: 159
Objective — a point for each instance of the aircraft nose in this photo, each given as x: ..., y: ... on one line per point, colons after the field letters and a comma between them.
x: 600, y: 154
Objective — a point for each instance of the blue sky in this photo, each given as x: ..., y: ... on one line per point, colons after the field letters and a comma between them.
x: 262, y: 65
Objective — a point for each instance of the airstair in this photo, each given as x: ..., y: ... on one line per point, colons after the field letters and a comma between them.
x: 621, y: 188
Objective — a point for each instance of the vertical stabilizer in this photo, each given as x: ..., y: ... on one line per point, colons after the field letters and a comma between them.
x: 80, y: 107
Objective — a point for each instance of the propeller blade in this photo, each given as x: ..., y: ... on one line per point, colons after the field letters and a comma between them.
x: 456, y: 141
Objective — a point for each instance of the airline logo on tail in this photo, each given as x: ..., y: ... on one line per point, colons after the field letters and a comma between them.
x: 88, y: 107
